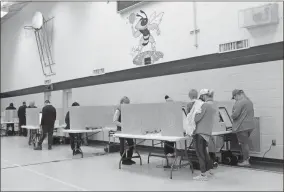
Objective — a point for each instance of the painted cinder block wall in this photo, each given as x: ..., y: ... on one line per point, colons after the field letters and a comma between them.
x: 92, y: 35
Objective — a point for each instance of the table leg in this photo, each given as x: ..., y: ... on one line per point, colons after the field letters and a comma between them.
x: 187, y: 157
x: 150, y: 152
x: 138, y: 153
x: 173, y: 165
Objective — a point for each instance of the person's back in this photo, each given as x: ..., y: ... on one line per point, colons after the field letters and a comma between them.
x: 205, y: 125
x: 48, y: 115
x: 243, y: 115
x: 22, y: 112
x: 11, y: 107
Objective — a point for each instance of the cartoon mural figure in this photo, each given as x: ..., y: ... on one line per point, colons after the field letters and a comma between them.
x: 143, y: 29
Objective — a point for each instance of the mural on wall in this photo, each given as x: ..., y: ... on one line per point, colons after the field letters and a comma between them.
x: 142, y: 27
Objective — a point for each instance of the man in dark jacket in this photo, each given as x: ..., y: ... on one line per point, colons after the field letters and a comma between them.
x: 243, y: 122
x: 47, y: 123
x: 31, y: 105
x: 11, y: 107
x: 72, y: 135
x: 22, y: 119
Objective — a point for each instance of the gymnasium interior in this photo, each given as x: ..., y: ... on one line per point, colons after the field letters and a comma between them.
x: 117, y: 72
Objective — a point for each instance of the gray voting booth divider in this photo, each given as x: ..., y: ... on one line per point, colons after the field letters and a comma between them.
x: 141, y: 119
x: 10, y: 116
x: 33, y: 116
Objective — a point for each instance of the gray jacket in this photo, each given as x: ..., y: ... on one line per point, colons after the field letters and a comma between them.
x: 206, y: 120
x: 243, y: 115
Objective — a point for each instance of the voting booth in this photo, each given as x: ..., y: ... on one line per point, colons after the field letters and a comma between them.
x: 164, y: 118
x: 83, y: 117
x: 33, y: 116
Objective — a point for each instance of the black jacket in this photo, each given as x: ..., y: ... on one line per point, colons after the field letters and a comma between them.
x: 48, y: 116
x: 22, y: 112
x: 32, y: 107
x: 67, y: 121
x: 11, y: 108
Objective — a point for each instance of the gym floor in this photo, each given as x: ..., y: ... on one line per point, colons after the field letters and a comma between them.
x: 22, y: 168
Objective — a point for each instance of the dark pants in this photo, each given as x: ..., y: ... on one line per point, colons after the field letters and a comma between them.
x: 31, y: 134
x: 169, y: 147
x: 243, y: 139
x: 204, y: 159
x: 47, y: 130
x: 22, y: 131
x: 10, y: 125
x: 130, y: 143
x: 72, y: 140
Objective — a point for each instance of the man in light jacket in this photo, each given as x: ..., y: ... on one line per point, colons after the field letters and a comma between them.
x: 205, y: 122
x: 243, y: 122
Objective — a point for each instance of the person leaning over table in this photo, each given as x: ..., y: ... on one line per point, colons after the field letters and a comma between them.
x: 204, y: 126
x: 22, y: 119
x: 72, y: 135
x: 243, y: 122
x: 127, y: 159
x: 31, y: 105
x: 169, y: 146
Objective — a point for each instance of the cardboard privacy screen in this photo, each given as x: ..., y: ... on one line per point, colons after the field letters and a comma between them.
x: 33, y: 116
x: 91, y: 116
x: 166, y: 118
x: 10, y: 115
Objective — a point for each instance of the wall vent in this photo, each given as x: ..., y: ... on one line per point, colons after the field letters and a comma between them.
x: 99, y: 71
x: 234, y: 46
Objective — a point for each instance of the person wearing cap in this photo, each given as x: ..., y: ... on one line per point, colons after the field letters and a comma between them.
x: 72, y: 135
x: 205, y: 121
x: 47, y: 123
x: 127, y: 158
x: 243, y: 122
x: 22, y: 119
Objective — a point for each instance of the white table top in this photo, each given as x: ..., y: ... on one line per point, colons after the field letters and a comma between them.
x: 30, y: 127
x: 219, y: 133
x: 6, y: 122
x: 81, y: 131
x: 38, y: 127
x: 157, y: 136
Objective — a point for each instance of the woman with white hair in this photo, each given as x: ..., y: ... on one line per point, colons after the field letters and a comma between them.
x: 127, y: 159
x: 204, y: 126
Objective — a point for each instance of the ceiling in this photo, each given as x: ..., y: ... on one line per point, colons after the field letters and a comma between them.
x: 12, y: 8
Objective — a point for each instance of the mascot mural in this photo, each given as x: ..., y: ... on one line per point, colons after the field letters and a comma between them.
x: 143, y: 28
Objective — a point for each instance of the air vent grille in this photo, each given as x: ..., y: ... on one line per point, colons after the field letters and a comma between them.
x: 234, y: 46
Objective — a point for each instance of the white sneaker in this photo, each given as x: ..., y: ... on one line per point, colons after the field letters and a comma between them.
x: 209, y: 173
x: 244, y: 163
x: 201, y: 177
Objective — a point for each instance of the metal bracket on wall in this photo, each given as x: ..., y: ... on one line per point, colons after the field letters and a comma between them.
x: 42, y: 36
x: 195, y: 32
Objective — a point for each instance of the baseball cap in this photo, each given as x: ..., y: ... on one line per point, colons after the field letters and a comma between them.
x: 204, y: 92
x: 236, y: 92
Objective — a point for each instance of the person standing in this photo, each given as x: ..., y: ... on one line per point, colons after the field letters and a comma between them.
x: 72, y: 135
x: 127, y: 158
x: 11, y: 107
x: 47, y: 123
x: 243, y: 122
x: 204, y: 125
x: 31, y: 105
x: 169, y: 147
x: 22, y: 119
